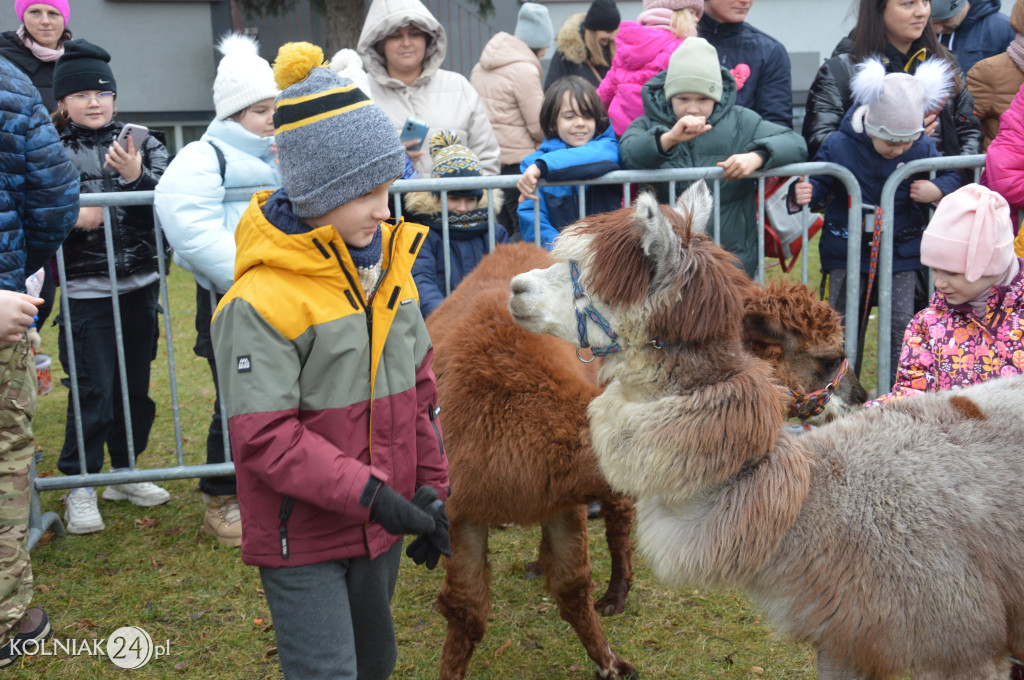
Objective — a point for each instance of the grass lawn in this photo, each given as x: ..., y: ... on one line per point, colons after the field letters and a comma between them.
x: 153, y: 568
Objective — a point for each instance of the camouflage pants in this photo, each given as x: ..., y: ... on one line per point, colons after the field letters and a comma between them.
x: 18, y: 393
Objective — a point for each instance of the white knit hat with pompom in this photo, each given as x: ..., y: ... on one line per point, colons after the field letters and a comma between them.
x: 243, y: 76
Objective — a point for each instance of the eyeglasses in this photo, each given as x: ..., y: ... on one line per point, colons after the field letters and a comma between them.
x: 85, y: 98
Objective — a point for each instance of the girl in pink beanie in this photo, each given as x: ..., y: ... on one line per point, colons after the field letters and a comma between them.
x: 973, y: 330
x: 642, y: 50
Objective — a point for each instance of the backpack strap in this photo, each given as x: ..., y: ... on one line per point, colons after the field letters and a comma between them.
x: 222, y: 162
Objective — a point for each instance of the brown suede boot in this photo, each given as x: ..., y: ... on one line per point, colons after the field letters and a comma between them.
x: 222, y: 520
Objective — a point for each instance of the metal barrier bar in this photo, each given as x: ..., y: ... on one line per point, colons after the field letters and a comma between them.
x: 885, y: 253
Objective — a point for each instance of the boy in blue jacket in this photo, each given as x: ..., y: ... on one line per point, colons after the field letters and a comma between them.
x: 579, y: 144
x: 882, y: 132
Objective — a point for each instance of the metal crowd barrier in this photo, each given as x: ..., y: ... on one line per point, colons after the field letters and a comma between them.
x: 39, y: 522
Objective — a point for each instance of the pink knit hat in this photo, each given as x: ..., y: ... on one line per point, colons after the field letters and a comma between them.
x: 60, y: 5
x: 659, y: 12
x: 970, y: 233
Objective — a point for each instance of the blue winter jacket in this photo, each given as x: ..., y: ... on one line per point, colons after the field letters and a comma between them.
x: 467, y: 245
x: 559, y: 206
x: 38, y: 184
x: 190, y: 199
x: 851, y: 148
x: 769, y: 89
x: 984, y: 33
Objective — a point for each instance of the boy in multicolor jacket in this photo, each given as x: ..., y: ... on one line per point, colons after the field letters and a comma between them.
x: 973, y: 330
x: 325, y: 365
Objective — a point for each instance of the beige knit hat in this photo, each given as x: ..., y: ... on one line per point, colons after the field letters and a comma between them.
x: 694, y: 67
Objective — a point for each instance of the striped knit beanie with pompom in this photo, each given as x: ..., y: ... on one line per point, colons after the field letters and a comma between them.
x: 333, y: 143
x: 453, y: 159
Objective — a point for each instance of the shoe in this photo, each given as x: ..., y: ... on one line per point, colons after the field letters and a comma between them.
x: 146, y: 494
x: 223, y: 520
x: 82, y: 515
x: 35, y: 625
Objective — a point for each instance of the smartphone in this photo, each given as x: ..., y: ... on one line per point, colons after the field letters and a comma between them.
x: 414, y: 129
x: 138, y: 133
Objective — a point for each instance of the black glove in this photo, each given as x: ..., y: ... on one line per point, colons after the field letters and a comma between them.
x: 428, y: 547
x: 390, y: 509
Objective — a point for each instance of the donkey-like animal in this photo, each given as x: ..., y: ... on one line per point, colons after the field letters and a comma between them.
x: 516, y: 433
x: 892, y: 540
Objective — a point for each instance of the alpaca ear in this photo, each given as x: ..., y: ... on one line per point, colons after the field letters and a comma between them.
x: 762, y: 328
x: 696, y: 204
x: 659, y: 241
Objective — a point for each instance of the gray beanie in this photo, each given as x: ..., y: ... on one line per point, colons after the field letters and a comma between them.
x: 946, y: 9
x: 694, y: 67
x: 533, y: 26
x: 333, y: 143
x: 897, y: 116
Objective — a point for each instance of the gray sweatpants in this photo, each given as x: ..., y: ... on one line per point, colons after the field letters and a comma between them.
x: 333, y: 620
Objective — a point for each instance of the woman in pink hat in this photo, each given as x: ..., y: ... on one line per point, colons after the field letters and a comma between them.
x: 973, y: 330
x: 37, y: 44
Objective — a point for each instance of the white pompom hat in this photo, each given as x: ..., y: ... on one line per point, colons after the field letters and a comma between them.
x: 243, y: 76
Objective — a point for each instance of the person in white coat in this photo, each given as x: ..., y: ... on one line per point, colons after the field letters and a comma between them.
x: 402, y: 46
x: 237, y: 150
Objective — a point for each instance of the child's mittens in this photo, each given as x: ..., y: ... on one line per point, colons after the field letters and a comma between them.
x: 428, y: 548
x: 393, y: 512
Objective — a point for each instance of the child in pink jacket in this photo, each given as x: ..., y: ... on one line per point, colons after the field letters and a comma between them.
x: 642, y: 50
x: 1004, y: 160
x: 973, y: 330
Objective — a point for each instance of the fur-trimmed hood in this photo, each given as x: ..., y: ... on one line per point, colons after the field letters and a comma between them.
x: 428, y: 204
x: 570, y: 39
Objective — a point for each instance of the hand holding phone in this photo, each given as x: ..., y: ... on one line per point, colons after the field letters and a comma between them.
x: 414, y: 129
x: 125, y: 155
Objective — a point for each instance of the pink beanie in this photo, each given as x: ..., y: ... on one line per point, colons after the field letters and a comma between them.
x: 970, y: 233
x: 659, y: 12
x: 60, y: 5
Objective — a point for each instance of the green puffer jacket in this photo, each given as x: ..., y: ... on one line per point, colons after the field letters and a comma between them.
x: 734, y: 130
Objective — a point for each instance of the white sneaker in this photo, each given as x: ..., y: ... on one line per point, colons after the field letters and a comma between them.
x: 82, y: 515
x: 145, y: 494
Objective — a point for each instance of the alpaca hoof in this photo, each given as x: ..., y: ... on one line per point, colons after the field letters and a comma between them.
x: 619, y: 670
x: 533, y: 570
x: 608, y: 605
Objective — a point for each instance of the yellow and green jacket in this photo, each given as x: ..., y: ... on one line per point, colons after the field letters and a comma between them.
x: 322, y: 391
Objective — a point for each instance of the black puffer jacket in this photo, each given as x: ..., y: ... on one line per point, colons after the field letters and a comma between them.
x: 85, y: 251
x: 829, y: 99
x: 39, y: 72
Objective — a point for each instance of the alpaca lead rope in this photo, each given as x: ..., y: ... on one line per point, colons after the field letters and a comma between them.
x: 595, y: 316
x: 818, y: 399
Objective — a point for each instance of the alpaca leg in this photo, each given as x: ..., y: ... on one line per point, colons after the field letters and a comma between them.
x: 465, y: 597
x: 563, y: 556
x: 618, y: 525
x: 831, y: 668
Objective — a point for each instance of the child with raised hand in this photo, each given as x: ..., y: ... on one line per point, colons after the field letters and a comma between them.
x: 691, y: 120
x: 973, y: 329
x: 880, y: 133
x: 579, y: 144
x: 468, y: 235
x: 85, y: 89
x: 320, y: 327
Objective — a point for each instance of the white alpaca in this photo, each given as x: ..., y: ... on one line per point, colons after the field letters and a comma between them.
x: 892, y: 541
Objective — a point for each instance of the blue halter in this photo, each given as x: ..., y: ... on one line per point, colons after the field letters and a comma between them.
x: 594, y: 315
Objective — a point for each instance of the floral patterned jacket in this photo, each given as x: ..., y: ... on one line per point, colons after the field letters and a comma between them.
x: 949, y: 346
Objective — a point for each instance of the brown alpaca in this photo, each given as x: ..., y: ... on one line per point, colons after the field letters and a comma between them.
x: 516, y: 434
x: 891, y: 540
